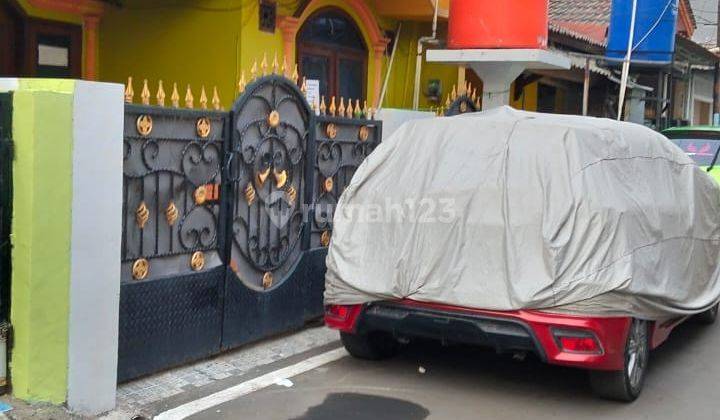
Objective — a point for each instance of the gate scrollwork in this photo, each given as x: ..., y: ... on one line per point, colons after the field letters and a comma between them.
x: 268, y: 155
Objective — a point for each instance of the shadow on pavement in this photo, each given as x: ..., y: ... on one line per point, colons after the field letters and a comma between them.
x: 351, y: 406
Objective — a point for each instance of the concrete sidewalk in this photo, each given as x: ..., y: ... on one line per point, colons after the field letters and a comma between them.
x: 145, y: 397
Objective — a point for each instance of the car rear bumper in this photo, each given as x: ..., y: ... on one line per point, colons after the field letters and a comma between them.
x: 506, y: 331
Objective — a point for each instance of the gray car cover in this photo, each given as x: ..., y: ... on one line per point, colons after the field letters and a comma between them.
x: 509, y: 210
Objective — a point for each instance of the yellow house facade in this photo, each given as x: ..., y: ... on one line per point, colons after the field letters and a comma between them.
x: 348, y: 44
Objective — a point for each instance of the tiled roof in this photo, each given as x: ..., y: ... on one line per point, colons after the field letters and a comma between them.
x: 593, y: 33
x: 586, y: 20
x: 586, y: 11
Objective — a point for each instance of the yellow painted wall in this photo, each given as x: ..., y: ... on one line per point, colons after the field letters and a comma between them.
x: 209, y: 42
x: 177, y: 42
x: 400, y: 88
x: 527, y: 100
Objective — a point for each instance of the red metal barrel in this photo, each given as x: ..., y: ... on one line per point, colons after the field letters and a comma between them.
x: 498, y: 24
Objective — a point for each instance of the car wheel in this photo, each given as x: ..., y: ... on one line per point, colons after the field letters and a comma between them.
x: 626, y: 384
x: 372, y: 346
x: 708, y: 317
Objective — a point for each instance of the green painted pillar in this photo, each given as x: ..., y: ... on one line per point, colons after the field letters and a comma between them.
x: 42, y: 135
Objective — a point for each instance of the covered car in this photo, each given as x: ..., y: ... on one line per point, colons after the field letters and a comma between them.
x: 578, y: 239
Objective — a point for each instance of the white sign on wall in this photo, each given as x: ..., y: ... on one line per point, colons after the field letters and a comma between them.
x: 313, y: 94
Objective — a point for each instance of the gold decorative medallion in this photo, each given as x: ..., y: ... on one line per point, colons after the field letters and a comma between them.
x: 197, y: 261
x: 250, y: 194
x: 280, y: 178
x: 364, y: 133
x: 273, y: 119
x: 291, y: 195
x: 144, y: 125
x: 262, y: 176
x: 171, y: 213
x: 142, y: 215
x: 331, y: 130
x: 200, y: 195
x: 140, y: 269
x: 463, y: 107
x: 203, y: 127
x: 328, y: 184
x: 325, y: 238
x: 267, y: 280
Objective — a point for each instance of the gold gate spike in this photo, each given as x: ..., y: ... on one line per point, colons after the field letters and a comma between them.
x: 145, y: 93
x: 341, y: 108
x: 216, y: 99
x: 365, y: 109
x: 275, y: 64
x: 358, y: 111
x: 303, y: 87
x: 332, y: 106
x: 203, y: 98
x: 295, y: 75
x: 175, y: 97
x: 283, y: 67
x: 264, y: 65
x: 323, y: 107
x: 350, y: 109
x: 241, y: 82
x: 129, y: 92
x: 171, y: 213
x: 189, y: 100
x: 142, y: 215
x: 160, y: 94
x: 253, y: 71
x: 453, y: 94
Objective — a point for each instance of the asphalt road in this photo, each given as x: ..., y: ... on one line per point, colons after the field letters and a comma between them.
x: 468, y: 383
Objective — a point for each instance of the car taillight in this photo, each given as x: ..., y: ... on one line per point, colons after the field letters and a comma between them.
x: 342, y: 317
x: 578, y: 341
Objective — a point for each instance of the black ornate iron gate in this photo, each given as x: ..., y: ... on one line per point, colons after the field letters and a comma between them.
x: 226, y: 219
x: 6, y: 157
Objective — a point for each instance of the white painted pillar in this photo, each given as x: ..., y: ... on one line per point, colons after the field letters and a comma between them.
x: 497, y: 79
x: 95, y: 247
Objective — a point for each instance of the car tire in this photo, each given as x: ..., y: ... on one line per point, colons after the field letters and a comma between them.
x: 708, y: 317
x: 372, y: 346
x: 626, y: 385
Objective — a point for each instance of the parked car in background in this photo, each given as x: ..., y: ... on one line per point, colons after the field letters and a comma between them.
x: 700, y: 142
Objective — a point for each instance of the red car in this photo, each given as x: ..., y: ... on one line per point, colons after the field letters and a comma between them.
x: 615, y: 350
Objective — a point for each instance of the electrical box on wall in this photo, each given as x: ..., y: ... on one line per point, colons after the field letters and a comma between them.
x: 268, y: 15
